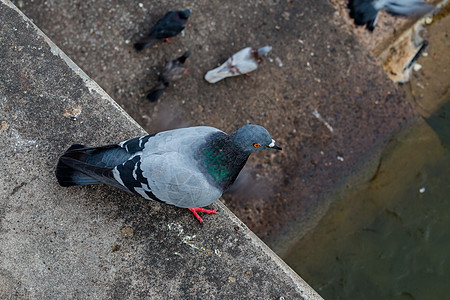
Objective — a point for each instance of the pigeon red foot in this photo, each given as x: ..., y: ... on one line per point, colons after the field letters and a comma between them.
x: 199, y: 209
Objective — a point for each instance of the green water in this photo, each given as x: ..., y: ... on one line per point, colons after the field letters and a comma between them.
x: 390, y: 237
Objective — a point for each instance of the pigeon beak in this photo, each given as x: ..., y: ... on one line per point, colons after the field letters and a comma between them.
x: 274, y: 145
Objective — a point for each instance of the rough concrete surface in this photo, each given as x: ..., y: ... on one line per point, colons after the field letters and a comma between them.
x: 316, y: 64
x: 96, y: 242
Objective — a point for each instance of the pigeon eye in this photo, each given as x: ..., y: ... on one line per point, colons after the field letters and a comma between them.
x: 256, y: 145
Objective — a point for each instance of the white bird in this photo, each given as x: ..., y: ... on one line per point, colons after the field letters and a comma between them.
x: 242, y: 62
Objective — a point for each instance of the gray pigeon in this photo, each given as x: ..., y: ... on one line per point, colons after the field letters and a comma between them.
x: 365, y: 12
x: 188, y: 167
x: 242, y: 62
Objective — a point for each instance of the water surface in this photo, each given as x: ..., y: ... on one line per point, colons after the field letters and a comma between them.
x: 390, y: 237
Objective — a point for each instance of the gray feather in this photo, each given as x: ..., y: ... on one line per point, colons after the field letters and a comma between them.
x: 169, y: 163
x: 408, y: 7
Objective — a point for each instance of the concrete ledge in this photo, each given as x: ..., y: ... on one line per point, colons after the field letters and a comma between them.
x: 96, y: 242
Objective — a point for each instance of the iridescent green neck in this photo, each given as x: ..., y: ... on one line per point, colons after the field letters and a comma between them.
x: 223, y: 161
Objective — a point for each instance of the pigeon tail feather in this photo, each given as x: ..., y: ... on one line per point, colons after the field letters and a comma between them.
x: 217, y: 74
x: 84, y: 165
x: 155, y: 93
x: 183, y: 57
x: 144, y: 43
x: 68, y: 176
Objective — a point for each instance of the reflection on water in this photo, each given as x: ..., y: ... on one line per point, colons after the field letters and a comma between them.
x: 390, y: 238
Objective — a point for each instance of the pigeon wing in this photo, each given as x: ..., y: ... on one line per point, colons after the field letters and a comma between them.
x: 175, y: 181
x: 171, y: 168
x: 167, y: 27
x: 244, y: 61
x: 408, y: 7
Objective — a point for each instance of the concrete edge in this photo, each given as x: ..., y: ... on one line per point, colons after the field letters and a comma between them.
x: 303, y: 287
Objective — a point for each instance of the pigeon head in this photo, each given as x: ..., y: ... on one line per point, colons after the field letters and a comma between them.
x: 184, y: 14
x: 264, y: 50
x: 251, y: 138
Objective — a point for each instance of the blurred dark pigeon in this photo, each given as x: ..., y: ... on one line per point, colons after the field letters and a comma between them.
x: 242, y: 62
x: 168, y: 26
x: 365, y: 12
x: 188, y: 167
x: 173, y: 70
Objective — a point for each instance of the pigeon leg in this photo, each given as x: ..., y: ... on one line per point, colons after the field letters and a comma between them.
x: 199, y: 209
x: 185, y: 71
x: 167, y: 40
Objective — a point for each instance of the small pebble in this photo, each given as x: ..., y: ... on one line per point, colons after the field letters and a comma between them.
x: 428, y: 20
x: 231, y: 279
x: 422, y: 190
x: 3, y: 125
x: 127, y: 231
x: 280, y: 63
x: 417, y: 67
